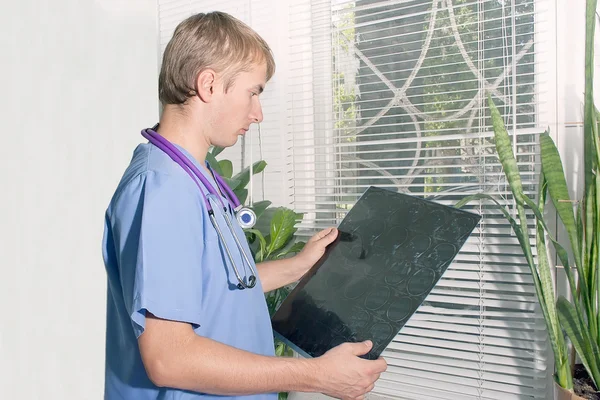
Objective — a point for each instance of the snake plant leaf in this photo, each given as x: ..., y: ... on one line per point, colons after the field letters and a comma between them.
x: 560, y: 250
x: 557, y: 341
x: 559, y: 193
x: 543, y: 284
x: 554, y: 331
x: 226, y: 168
x: 521, y: 236
x: 594, y: 273
x: 282, y: 229
x: 589, y: 115
x: 590, y: 134
x: 562, y: 254
x: 505, y: 153
x: 577, y: 332
x: 244, y: 175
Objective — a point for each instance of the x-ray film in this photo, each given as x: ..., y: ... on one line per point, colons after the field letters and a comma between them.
x: 391, y: 250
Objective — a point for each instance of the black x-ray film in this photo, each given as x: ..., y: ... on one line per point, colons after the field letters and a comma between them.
x: 391, y: 250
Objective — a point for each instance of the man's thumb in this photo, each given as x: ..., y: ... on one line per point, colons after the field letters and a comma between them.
x: 359, y: 349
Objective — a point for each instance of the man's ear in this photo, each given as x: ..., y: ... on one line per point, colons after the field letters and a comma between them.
x: 206, y: 85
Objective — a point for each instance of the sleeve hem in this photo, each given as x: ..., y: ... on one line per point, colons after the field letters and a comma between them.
x: 138, y: 315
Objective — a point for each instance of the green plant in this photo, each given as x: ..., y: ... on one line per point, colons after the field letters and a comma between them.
x: 239, y: 181
x: 273, y: 236
x: 579, y: 318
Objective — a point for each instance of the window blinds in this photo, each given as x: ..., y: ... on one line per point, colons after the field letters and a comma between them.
x: 393, y: 94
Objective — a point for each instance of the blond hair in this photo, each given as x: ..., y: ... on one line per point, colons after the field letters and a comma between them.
x: 214, y: 40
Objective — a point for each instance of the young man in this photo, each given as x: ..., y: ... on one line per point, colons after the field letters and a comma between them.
x: 177, y: 325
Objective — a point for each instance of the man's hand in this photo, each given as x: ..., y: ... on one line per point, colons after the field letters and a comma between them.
x: 277, y: 273
x: 315, y: 248
x: 343, y: 375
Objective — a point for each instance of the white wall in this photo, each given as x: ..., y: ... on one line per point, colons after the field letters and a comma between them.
x: 78, y: 81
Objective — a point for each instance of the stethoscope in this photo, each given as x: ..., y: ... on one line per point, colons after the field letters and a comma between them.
x: 245, y: 216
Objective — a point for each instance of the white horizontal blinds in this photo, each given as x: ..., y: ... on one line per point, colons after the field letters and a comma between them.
x: 407, y: 111
x: 305, y: 88
x: 170, y: 14
x: 270, y: 144
x: 268, y: 18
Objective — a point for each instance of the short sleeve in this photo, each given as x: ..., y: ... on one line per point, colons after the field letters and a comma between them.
x: 160, y: 223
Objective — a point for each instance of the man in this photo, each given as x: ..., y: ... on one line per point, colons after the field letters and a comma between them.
x: 176, y: 327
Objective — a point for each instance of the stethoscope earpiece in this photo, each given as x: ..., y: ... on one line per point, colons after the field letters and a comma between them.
x: 250, y: 285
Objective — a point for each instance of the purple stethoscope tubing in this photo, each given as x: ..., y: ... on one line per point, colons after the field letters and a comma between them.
x: 164, y: 145
x: 191, y: 169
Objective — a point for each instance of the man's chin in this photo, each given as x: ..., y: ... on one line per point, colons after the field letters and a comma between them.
x: 227, y: 143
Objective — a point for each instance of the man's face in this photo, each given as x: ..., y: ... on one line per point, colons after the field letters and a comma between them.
x: 239, y: 107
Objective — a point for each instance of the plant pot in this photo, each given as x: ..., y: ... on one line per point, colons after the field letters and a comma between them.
x: 561, y: 393
x: 582, y: 384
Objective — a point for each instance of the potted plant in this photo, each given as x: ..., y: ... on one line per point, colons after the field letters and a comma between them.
x: 578, y: 317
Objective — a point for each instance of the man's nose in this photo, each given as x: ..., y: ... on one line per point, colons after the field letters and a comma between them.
x: 257, y: 115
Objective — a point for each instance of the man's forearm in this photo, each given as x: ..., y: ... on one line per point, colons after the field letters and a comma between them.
x: 277, y: 273
x: 204, y: 365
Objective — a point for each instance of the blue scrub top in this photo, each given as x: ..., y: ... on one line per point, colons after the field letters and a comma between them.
x: 163, y: 255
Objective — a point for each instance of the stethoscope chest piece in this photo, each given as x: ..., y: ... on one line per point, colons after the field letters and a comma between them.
x: 246, y: 217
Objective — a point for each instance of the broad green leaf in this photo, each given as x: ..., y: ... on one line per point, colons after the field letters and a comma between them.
x: 262, y: 244
x: 214, y: 164
x: 226, y: 168
x: 505, y: 153
x: 259, y: 207
x: 244, y: 175
x: 282, y: 229
x: 279, y: 350
x: 263, y: 222
x: 577, y: 332
x: 552, y: 168
x: 232, y: 183
x: 216, y: 150
x: 295, y: 248
x: 241, y: 193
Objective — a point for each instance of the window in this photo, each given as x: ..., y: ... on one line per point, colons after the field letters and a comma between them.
x: 393, y: 94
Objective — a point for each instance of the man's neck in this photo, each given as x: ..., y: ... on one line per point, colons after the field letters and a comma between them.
x: 183, y: 130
